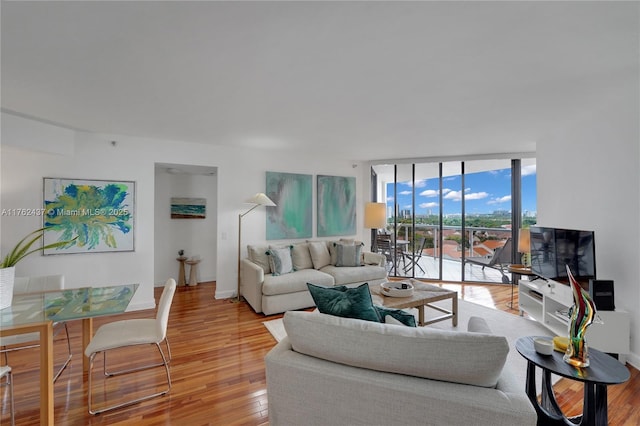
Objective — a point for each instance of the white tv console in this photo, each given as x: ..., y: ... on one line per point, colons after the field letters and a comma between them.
x: 546, y: 301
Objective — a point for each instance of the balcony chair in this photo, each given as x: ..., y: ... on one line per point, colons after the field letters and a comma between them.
x: 415, y: 256
x: 28, y: 340
x: 500, y: 260
x: 133, y: 332
x: 386, y: 247
x: 5, y: 371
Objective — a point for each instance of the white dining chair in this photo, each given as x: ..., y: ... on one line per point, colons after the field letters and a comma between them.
x: 133, y: 332
x: 30, y: 340
x: 5, y: 371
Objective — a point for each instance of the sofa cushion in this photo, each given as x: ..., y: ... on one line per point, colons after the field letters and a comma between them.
x: 301, y: 257
x: 478, y: 325
x: 294, y: 282
x: 395, y: 316
x: 348, y: 254
x: 258, y: 255
x: 319, y: 254
x: 343, y: 301
x: 453, y: 356
x: 355, y: 274
x: 280, y: 260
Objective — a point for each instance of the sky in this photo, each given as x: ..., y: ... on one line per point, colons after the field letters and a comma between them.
x: 485, y: 192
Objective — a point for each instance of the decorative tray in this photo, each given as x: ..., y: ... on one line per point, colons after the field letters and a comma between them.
x: 396, y: 289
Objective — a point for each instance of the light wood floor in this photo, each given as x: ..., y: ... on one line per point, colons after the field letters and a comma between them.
x: 218, y: 370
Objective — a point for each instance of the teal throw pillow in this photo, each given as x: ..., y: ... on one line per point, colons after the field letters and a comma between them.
x: 348, y: 254
x: 280, y: 260
x: 343, y: 301
x: 398, y: 314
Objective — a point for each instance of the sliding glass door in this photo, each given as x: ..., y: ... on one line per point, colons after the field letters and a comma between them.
x: 443, y: 215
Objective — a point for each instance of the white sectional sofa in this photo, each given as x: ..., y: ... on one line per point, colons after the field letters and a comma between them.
x: 342, y: 371
x: 315, y: 262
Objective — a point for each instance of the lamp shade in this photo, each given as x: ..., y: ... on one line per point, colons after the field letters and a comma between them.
x: 524, y: 241
x: 375, y: 215
x: 260, y: 199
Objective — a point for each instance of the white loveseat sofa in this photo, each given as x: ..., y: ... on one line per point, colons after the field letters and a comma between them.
x: 341, y: 371
x: 314, y: 262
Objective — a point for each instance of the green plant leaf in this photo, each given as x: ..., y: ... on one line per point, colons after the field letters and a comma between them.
x: 23, y: 248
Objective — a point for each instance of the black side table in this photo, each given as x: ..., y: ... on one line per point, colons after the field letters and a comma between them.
x: 603, y: 370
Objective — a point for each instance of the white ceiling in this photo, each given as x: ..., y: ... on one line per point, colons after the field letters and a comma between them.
x: 366, y: 80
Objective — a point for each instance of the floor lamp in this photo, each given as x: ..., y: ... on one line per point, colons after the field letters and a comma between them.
x: 375, y: 217
x: 260, y: 199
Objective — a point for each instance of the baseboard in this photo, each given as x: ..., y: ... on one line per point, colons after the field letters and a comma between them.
x: 226, y: 294
x: 634, y: 361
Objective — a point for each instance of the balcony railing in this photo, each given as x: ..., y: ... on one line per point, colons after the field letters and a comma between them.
x: 452, y: 254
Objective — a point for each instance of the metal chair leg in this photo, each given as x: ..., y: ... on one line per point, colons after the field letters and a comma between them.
x: 70, y: 355
x: 9, y: 383
x: 164, y: 362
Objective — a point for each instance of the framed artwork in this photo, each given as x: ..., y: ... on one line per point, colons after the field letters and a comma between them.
x: 100, y: 213
x: 292, y: 216
x: 336, y: 205
x: 188, y: 208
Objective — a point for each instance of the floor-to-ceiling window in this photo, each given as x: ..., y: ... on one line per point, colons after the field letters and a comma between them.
x: 440, y: 214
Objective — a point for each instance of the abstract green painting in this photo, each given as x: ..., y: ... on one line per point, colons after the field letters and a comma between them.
x: 336, y: 205
x: 98, y: 212
x: 293, y: 215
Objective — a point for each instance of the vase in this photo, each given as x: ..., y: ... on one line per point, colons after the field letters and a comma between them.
x: 582, y: 315
x: 7, y: 277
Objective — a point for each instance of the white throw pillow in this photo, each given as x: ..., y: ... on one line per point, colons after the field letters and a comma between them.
x: 258, y: 255
x: 319, y: 254
x: 301, y: 257
x: 280, y: 260
x: 348, y: 254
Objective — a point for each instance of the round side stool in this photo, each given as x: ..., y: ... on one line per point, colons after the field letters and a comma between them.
x: 193, y: 271
x: 181, y: 275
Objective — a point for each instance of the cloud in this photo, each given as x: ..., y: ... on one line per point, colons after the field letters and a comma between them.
x: 457, y: 195
x: 429, y: 193
x: 454, y: 195
x: 475, y: 196
x: 406, y: 192
x: 389, y: 199
x: 528, y: 170
x: 428, y: 205
x: 420, y: 183
x: 500, y: 200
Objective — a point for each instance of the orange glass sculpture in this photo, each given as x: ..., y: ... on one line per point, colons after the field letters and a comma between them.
x: 583, y: 313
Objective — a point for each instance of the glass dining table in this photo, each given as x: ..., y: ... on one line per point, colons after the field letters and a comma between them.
x: 36, y: 312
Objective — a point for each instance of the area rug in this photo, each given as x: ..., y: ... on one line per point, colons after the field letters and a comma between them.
x: 501, y: 323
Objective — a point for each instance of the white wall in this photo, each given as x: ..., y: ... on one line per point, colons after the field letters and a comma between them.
x: 197, y: 237
x: 241, y: 173
x: 588, y: 178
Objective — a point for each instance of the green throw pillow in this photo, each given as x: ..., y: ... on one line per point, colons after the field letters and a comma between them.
x: 343, y: 301
x: 398, y: 314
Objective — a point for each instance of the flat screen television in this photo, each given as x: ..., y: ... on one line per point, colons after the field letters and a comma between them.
x: 553, y: 248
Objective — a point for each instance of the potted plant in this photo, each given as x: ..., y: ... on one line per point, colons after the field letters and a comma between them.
x: 19, y: 252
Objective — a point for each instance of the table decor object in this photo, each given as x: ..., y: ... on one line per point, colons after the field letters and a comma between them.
x: 396, y: 289
x: 582, y: 315
x: 543, y: 345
